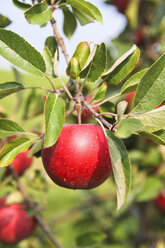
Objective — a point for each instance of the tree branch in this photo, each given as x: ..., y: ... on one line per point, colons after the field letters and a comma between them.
x: 31, y: 204
x: 60, y: 40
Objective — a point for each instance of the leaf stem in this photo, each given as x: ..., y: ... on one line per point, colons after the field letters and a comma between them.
x: 50, y: 82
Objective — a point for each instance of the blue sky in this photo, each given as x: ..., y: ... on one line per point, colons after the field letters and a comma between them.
x: 113, y: 24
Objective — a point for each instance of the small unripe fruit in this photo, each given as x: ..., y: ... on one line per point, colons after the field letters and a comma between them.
x: 15, y: 225
x: 80, y: 158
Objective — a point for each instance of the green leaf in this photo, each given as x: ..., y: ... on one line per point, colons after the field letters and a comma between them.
x: 128, y: 126
x: 157, y: 137
x: 86, y: 8
x: 121, y: 167
x: 52, y: 45
x: 54, y: 119
x: 121, y: 108
x: 39, y: 13
x: 97, y: 65
x: 149, y: 189
x: 9, y: 88
x: 9, y: 128
x: 107, y: 107
x: 100, y: 93
x: 69, y: 24
x: 48, y: 62
x: 21, y: 5
x: 82, y: 17
x: 79, y: 58
x: 90, y: 239
x: 4, y: 21
x: 122, y: 67
x: 132, y: 83
x: 151, y: 89
x: 19, y: 52
x: 11, y: 149
x: 35, y: 148
x: 152, y: 121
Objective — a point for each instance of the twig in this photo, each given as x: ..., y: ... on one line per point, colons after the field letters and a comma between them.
x: 106, y: 100
x: 65, y: 88
x: 42, y: 225
x: 60, y: 40
x: 107, y: 113
x: 50, y: 82
x: 70, y: 112
x: 40, y: 88
x: 96, y: 115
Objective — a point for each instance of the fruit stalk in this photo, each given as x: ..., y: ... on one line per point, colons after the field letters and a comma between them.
x: 40, y: 222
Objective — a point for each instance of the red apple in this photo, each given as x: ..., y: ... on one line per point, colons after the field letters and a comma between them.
x: 86, y: 114
x: 160, y: 201
x: 21, y: 163
x: 121, y: 5
x: 80, y: 158
x: 15, y: 225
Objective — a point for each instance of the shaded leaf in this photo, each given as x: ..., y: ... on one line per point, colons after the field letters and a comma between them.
x: 128, y: 126
x: 9, y: 88
x: 19, y: 52
x: 157, y: 137
x: 121, y: 167
x: 11, y: 149
x: 121, y: 108
x: 82, y: 17
x: 69, y: 24
x: 52, y: 45
x: 100, y: 93
x: 39, y: 13
x: 122, y: 67
x: 35, y: 148
x: 54, y: 119
x: 9, y: 128
x: 90, y: 239
x: 48, y: 62
x: 86, y: 8
x: 107, y: 107
x: 21, y: 5
x: 4, y: 21
x: 132, y: 83
x: 151, y: 89
x: 149, y: 189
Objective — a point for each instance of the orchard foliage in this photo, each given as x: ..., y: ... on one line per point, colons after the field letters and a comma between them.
x: 96, y: 82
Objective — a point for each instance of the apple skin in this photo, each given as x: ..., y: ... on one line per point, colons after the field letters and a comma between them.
x: 80, y: 158
x: 121, y: 5
x: 15, y: 225
x: 86, y: 114
x: 21, y: 163
x: 160, y: 201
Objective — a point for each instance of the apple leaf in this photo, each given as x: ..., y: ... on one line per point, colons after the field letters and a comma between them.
x: 35, y: 148
x: 39, y: 13
x: 82, y: 17
x: 69, y: 24
x: 122, y: 67
x: 48, y: 62
x: 149, y: 189
x: 97, y: 65
x: 157, y: 137
x: 132, y: 83
x: 100, y: 93
x: 128, y: 126
x: 21, y: 5
x: 121, y: 108
x: 151, y: 89
x: 19, y: 52
x: 4, y: 21
x: 11, y: 149
x: 107, y: 107
x: 54, y: 119
x: 121, y: 167
x: 86, y: 8
x: 9, y: 88
x: 9, y: 128
x: 152, y: 121
x: 52, y: 45
x: 90, y: 239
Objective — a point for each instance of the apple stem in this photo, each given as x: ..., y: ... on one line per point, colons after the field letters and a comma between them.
x: 31, y: 204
